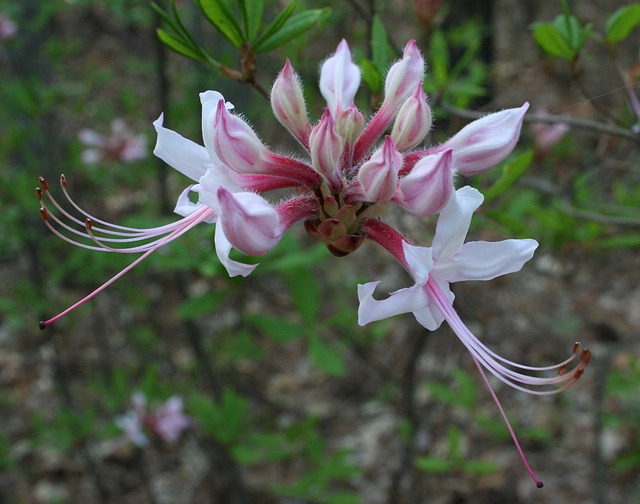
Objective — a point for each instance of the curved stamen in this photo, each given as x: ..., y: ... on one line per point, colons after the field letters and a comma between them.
x: 100, y: 235
x: 561, y: 380
x: 123, y: 230
x: 196, y: 218
x: 482, y: 356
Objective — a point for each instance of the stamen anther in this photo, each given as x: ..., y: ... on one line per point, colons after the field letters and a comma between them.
x: 39, y: 193
x: 42, y: 325
x: 63, y: 181
x: 43, y: 183
x: 576, y: 347
x: 44, y: 214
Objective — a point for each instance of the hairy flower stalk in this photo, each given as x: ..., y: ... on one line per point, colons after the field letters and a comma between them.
x: 352, y: 168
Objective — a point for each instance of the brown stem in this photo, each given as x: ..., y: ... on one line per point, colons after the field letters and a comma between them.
x: 551, y: 119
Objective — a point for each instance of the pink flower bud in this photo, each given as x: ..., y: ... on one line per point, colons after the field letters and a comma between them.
x: 326, y: 148
x: 401, y: 81
x: 485, y: 142
x: 339, y: 79
x: 403, y: 77
x: 379, y: 175
x: 287, y: 102
x: 210, y: 100
x: 349, y: 124
x: 249, y: 222
x: 236, y: 144
x: 413, y: 121
x: 429, y: 185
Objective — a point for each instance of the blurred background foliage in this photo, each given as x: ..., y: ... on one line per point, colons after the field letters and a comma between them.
x: 290, y: 400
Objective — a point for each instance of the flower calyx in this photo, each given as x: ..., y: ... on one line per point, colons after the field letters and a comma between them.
x: 337, y: 225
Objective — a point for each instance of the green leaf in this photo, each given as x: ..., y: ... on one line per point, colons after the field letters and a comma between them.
x: 551, y: 41
x: 479, y: 467
x: 327, y: 359
x: 371, y: 76
x: 178, y: 45
x: 220, y: 16
x: 439, y: 51
x: 628, y: 240
x: 433, y: 464
x: 572, y: 31
x: 252, y: 12
x: 226, y: 420
x: 305, y: 294
x: 201, y: 305
x: 292, y: 28
x: 512, y: 170
x: 381, y: 50
x: 275, y: 327
x: 622, y: 22
x: 275, y: 25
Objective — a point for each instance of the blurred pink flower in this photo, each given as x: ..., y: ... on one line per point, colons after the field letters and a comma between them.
x: 167, y: 421
x: 8, y: 28
x: 548, y: 135
x: 121, y: 145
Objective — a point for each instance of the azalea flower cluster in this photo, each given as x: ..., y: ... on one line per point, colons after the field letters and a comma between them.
x: 352, y: 168
x: 166, y: 421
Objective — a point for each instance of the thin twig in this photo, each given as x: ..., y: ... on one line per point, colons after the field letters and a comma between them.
x: 546, y: 187
x: 552, y: 119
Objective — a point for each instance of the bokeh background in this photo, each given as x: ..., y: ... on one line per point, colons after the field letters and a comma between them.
x: 286, y: 398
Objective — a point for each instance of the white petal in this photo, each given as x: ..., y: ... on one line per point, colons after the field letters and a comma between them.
x: 426, y: 319
x: 486, y: 260
x: 453, y: 222
x: 186, y: 156
x: 186, y: 207
x: 401, y: 301
x: 223, y: 249
x: 420, y: 261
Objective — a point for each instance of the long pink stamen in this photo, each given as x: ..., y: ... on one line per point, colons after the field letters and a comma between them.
x: 482, y: 356
x: 443, y: 305
x: 165, y: 233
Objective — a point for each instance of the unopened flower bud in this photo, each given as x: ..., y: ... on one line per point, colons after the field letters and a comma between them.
x: 326, y: 148
x: 339, y: 79
x: 413, y: 121
x: 287, y: 102
x: 429, y: 185
x: 401, y: 82
x: 250, y: 223
x: 378, y: 177
x: 236, y: 144
x: 349, y: 124
x: 403, y: 77
x: 485, y: 142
